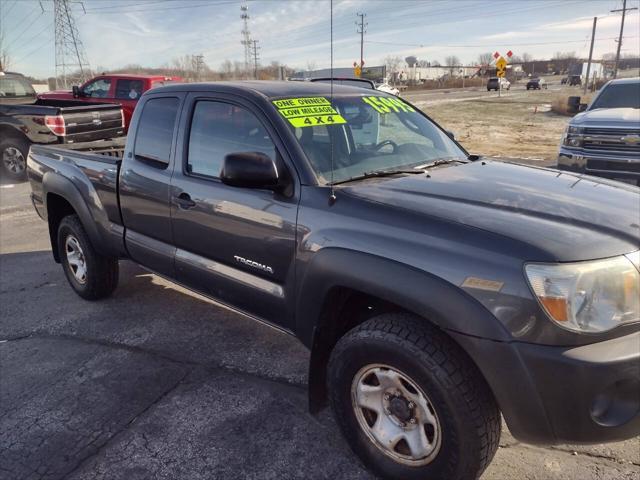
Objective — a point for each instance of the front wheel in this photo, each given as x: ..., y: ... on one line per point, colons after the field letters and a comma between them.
x: 92, y: 275
x: 410, y: 403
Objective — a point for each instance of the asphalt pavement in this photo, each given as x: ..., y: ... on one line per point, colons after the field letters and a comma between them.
x: 159, y: 383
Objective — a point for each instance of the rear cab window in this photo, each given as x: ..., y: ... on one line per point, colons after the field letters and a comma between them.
x: 15, y: 87
x: 129, y: 89
x: 154, y: 135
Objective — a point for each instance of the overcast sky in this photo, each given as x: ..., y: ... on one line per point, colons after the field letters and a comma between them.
x: 296, y: 32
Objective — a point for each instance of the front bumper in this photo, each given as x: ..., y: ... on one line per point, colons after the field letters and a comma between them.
x: 548, y: 395
x: 615, y: 167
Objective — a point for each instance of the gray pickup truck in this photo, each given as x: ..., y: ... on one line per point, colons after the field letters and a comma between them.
x: 436, y: 290
x: 604, y: 140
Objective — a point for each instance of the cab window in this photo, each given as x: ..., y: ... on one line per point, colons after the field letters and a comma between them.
x: 98, y: 88
x: 155, y: 131
x: 218, y: 129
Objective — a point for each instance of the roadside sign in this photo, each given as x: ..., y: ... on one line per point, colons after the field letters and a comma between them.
x: 501, y: 67
x: 496, y: 55
x: 509, y: 54
x: 357, y: 71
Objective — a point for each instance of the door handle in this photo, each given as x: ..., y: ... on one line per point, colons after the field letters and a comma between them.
x: 184, y: 201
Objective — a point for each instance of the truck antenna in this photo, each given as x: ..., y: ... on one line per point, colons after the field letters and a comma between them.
x: 332, y: 195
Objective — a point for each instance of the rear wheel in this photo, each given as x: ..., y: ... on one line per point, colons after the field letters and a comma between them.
x: 410, y: 403
x: 90, y: 274
x: 13, y: 155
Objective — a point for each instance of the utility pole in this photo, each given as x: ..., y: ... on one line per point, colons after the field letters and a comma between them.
x: 361, y: 30
x: 254, y: 51
x: 593, y: 36
x: 624, y: 10
x: 199, y: 64
x: 68, y: 46
x: 246, y: 38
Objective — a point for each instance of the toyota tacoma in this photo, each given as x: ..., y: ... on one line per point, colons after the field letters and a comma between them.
x: 435, y: 289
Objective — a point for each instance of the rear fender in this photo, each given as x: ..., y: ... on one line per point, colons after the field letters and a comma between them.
x: 101, y: 232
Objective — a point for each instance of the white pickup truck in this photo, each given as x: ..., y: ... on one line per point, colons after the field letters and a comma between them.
x: 604, y: 140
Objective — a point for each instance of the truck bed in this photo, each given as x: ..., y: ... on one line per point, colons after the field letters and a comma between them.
x: 92, y: 168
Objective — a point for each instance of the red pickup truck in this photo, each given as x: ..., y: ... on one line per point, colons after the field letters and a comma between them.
x: 124, y: 89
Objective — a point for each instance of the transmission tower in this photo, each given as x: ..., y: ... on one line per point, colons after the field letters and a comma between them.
x: 70, y: 54
x: 246, y: 37
x: 256, y: 57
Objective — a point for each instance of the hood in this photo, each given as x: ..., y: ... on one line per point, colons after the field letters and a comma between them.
x: 562, y: 216
x: 56, y: 93
x: 614, y: 116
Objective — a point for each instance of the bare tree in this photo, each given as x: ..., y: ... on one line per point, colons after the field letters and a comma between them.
x: 392, y: 64
x: 527, y: 57
x: 311, y: 66
x: 226, y: 70
x: 485, y: 58
x: 452, y: 61
x: 423, y: 63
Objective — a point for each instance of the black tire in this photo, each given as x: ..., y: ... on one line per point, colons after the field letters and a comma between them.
x: 469, y: 419
x: 13, y: 158
x: 101, y: 277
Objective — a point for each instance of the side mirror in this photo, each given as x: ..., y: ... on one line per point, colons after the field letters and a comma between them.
x: 249, y: 170
x: 582, y: 107
x: 76, y: 91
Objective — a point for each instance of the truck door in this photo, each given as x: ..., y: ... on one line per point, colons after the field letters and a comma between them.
x: 145, y: 179
x: 236, y: 245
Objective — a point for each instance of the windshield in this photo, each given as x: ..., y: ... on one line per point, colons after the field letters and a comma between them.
x: 621, y: 95
x: 369, y: 134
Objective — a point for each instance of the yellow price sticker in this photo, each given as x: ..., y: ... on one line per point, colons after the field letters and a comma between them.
x: 308, y: 111
x: 387, y: 104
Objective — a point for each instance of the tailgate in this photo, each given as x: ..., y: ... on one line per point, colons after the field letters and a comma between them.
x: 92, y: 122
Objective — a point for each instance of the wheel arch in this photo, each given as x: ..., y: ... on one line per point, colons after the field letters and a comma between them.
x: 371, y: 285
x: 62, y: 198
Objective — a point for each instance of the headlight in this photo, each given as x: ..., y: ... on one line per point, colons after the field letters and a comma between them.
x: 572, y: 137
x: 589, y: 296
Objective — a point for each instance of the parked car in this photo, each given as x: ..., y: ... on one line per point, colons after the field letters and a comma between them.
x: 25, y: 120
x: 123, y: 89
x: 537, y: 84
x: 435, y: 290
x: 575, y: 80
x: 353, y: 82
x: 604, y: 140
x: 385, y: 87
x: 496, y: 83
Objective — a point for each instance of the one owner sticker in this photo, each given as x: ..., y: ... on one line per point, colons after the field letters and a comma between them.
x: 308, y: 112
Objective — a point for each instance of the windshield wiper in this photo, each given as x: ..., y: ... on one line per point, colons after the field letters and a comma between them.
x: 440, y: 161
x: 378, y: 174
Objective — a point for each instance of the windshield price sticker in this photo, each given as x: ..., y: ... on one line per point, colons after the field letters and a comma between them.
x: 308, y: 112
x: 387, y: 105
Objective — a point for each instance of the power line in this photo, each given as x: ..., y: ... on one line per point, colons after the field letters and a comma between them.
x: 489, y: 44
x: 23, y: 31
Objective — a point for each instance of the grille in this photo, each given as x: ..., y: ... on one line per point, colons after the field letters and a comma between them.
x: 618, y: 132
x: 613, y: 166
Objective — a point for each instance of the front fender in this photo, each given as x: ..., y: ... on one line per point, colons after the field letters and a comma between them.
x: 419, y: 292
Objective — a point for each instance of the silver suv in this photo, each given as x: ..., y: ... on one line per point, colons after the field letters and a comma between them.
x: 604, y: 140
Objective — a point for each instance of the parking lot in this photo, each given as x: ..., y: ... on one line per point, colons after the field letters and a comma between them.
x: 157, y: 382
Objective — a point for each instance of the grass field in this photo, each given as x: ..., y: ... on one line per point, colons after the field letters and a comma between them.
x: 518, y: 124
